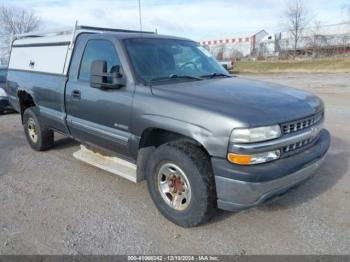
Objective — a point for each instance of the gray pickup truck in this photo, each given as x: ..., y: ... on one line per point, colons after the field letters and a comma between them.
x: 201, y: 138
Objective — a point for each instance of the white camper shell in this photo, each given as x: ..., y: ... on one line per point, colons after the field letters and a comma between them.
x: 50, y: 52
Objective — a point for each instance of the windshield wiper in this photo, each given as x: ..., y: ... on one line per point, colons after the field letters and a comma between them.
x: 173, y: 76
x: 185, y: 76
x: 212, y: 75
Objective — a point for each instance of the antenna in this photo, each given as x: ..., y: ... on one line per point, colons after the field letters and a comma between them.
x: 140, y: 15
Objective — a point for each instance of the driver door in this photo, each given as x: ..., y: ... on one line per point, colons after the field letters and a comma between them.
x: 94, y: 115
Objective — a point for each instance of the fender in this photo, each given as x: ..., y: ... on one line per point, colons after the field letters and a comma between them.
x: 200, y: 134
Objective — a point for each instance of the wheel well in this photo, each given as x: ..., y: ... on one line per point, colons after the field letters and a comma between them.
x: 151, y: 138
x: 154, y: 137
x: 25, y: 101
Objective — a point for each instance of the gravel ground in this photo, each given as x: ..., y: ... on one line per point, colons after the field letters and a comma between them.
x: 51, y: 203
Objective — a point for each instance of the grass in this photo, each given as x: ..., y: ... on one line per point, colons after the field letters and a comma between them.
x: 326, y: 65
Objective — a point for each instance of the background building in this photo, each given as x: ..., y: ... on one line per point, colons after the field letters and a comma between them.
x: 231, y: 47
x: 314, y: 41
x: 318, y: 40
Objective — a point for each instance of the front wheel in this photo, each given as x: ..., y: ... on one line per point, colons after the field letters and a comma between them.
x: 181, y: 183
x: 38, y: 137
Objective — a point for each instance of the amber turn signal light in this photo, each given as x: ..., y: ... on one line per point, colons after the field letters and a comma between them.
x: 239, y: 159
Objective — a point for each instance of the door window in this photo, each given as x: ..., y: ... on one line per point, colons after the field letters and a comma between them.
x: 98, y: 50
x: 3, y: 73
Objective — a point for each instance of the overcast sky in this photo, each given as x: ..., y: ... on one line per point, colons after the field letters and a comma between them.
x: 196, y: 19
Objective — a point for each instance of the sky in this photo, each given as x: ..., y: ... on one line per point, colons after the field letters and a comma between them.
x: 195, y: 19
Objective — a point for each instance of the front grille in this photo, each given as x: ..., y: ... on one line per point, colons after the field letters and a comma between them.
x: 295, y: 146
x: 295, y: 126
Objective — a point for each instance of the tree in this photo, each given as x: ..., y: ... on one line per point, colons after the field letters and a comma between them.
x: 316, y: 41
x: 235, y: 54
x: 14, y: 20
x: 220, y: 52
x: 296, y: 16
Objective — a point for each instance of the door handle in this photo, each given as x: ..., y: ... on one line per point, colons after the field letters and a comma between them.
x: 76, y: 94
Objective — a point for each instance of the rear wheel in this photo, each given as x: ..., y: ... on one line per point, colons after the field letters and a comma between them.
x: 38, y: 137
x: 181, y: 183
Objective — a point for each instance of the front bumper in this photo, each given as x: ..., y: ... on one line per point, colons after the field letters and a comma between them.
x: 241, y: 187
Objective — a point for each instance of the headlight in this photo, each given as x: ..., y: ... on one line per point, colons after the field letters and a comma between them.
x: 2, y: 92
x: 257, y: 134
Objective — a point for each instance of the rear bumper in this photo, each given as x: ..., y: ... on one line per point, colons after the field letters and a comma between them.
x: 244, y: 187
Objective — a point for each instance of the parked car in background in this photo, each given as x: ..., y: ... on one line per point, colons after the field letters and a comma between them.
x: 4, y: 100
x: 228, y: 65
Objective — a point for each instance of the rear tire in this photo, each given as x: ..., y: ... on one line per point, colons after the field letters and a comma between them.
x: 181, y: 183
x: 38, y: 137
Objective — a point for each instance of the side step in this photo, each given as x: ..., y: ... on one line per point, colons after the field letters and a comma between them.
x: 113, y: 165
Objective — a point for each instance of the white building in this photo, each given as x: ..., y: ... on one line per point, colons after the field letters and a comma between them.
x: 321, y: 37
x: 234, y: 46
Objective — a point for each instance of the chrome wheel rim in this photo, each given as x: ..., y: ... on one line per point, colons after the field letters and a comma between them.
x: 174, y: 186
x: 32, y: 130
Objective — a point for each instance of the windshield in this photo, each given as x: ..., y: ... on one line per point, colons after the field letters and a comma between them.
x: 155, y: 59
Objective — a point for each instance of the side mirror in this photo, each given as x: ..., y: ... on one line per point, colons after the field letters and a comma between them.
x: 100, y: 78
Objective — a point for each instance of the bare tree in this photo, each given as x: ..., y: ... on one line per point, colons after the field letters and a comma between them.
x: 14, y: 20
x: 220, y: 52
x: 296, y: 16
x: 316, y: 41
x: 235, y: 54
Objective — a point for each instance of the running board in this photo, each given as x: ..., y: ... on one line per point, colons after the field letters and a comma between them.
x: 110, y: 164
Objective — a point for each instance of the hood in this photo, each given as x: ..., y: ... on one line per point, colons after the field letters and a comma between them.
x: 256, y: 103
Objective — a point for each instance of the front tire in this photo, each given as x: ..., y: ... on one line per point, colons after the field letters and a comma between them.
x: 181, y: 183
x: 38, y: 137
